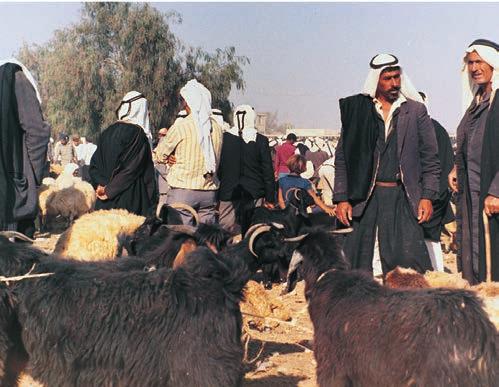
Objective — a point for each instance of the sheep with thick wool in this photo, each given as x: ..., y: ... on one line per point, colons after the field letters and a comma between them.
x: 369, y: 335
x: 67, y: 196
x: 111, y: 323
x: 95, y: 236
x: 102, y: 235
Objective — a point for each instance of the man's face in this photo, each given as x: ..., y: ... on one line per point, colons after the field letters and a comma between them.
x: 479, y: 70
x: 389, y: 85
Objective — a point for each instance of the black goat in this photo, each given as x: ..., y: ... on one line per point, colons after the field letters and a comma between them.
x: 106, y: 323
x: 369, y: 335
x: 293, y: 223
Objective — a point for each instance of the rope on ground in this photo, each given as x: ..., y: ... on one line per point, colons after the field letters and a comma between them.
x: 246, y: 345
x: 23, y: 277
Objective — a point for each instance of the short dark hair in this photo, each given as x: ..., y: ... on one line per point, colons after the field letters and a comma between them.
x: 291, y: 137
x: 391, y: 68
x: 297, y: 164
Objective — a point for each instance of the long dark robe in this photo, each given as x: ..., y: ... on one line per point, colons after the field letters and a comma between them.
x: 123, y: 164
x: 442, y: 212
x: 401, y: 239
x: 23, y: 148
x: 360, y: 132
x: 475, y: 271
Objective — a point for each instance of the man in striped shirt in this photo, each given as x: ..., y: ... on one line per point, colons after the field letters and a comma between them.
x: 196, y: 143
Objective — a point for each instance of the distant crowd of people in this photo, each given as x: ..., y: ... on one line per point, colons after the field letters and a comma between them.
x: 389, y: 178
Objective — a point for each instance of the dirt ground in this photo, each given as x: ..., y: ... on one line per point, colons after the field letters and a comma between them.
x: 286, y: 358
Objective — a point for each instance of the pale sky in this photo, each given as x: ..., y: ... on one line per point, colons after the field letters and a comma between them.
x: 305, y: 56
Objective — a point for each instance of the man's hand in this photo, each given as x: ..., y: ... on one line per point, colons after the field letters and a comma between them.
x: 425, y: 210
x: 491, y: 205
x: 331, y: 211
x: 344, y: 213
x: 171, y: 160
x: 452, y: 179
x: 101, y: 193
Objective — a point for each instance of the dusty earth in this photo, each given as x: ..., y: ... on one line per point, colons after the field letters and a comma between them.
x: 286, y: 358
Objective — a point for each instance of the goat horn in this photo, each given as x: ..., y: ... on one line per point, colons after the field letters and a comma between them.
x: 253, y: 228
x: 16, y: 234
x: 260, y: 230
x: 342, y: 231
x: 296, y: 238
x: 189, y: 230
x: 279, y: 226
x: 183, y: 206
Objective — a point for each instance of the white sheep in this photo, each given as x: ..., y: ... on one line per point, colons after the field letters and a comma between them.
x: 94, y: 236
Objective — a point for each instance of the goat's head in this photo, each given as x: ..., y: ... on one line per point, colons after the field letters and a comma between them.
x: 317, y: 252
x: 266, y: 242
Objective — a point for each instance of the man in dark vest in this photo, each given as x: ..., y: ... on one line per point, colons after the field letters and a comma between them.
x: 245, y: 172
x: 387, y: 170
x: 24, y: 138
x: 477, y: 161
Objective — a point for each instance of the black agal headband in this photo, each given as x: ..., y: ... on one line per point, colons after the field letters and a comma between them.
x: 129, y: 102
x: 378, y: 65
x: 485, y: 42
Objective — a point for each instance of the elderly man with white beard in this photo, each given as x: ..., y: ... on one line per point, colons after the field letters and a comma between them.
x: 476, y: 174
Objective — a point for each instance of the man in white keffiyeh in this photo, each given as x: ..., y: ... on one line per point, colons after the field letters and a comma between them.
x: 196, y: 141
x: 386, y: 170
x: 475, y: 177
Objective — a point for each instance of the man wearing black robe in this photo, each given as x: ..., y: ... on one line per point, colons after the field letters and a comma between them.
x: 387, y: 170
x: 121, y: 169
x: 477, y: 162
x: 442, y: 211
x: 24, y: 138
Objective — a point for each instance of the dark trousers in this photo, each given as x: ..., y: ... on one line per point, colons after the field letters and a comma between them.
x: 400, y: 237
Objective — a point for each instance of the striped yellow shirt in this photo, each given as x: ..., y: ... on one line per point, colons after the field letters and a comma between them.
x: 182, y: 140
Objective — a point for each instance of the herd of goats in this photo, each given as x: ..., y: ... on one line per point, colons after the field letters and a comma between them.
x: 163, y: 309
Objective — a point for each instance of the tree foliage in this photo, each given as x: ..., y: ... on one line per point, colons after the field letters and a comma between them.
x: 85, y: 70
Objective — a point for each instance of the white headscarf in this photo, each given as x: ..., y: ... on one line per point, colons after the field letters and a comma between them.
x: 244, y: 123
x: 489, y: 54
x: 198, y: 98
x: 133, y: 109
x: 27, y: 73
x: 377, y: 65
x: 219, y: 118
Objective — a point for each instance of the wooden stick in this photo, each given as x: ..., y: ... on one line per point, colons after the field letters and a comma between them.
x: 488, y: 253
x: 22, y: 277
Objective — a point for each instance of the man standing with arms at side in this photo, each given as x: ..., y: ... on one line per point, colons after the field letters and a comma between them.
x: 24, y: 137
x: 387, y: 170
x: 477, y: 161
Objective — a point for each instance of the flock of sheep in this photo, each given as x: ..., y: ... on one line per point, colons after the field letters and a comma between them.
x: 131, y: 301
